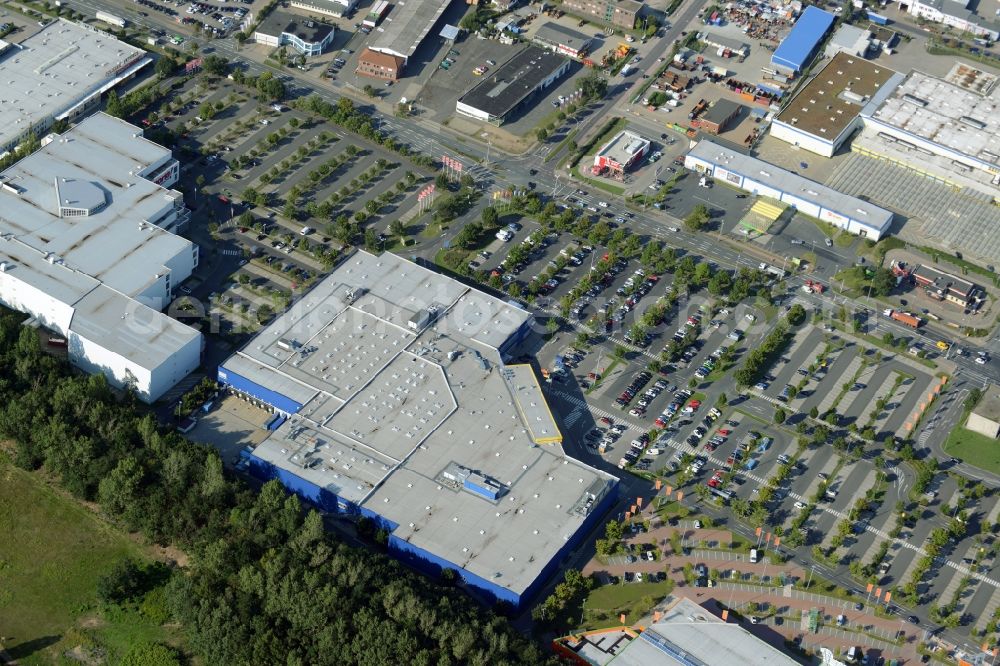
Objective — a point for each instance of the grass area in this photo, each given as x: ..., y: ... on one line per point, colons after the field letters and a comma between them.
x: 938, y: 255
x: 844, y: 239
x: 600, y: 184
x: 605, y: 604
x: 558, y: 148
x: 54, y: 552
x: 977, y: 450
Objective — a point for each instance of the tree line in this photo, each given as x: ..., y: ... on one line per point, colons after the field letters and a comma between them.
x: 267, y: 584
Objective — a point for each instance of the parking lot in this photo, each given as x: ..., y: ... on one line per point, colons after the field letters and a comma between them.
x: 281, y: 192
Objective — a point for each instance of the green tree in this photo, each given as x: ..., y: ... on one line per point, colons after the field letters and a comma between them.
x: 883, y: 282
x: 369, y: 90
x: 124, y: 582
x: 779, y: 415
x: 697, y: 218
x: 541, y: 134
x: 165, y: 66
x: 114, y: 106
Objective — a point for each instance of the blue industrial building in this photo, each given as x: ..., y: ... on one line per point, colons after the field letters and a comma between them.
x: 401, y: 409
x: 799, y: 47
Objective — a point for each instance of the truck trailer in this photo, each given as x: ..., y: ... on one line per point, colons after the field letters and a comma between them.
x: 111, y: 19
x: 903, y: 318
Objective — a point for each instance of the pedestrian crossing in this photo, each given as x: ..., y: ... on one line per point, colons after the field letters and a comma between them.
x: 231, y: 253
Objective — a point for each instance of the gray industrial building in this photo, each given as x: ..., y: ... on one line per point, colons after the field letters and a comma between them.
x: 512, y: 85
x: 396, y: 404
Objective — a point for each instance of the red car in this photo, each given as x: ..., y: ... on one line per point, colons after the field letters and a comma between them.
x: 711, y: 446
x: 694, y: 404
x: 660, y: 421
x: 725, y: 432
x: 605, y: 420
x: 713, y: 483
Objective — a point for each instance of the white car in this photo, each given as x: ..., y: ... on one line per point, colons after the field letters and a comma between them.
x: 638, y: 576
x: 800, y: 505
x: 603, y: 204
x: 981, y: 360
x: 751, y: 317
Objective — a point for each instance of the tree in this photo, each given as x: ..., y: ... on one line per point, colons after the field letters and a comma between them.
x: 541, y: 134
x: 214, y: 65
x: 796, y: 315
x: 114, y: 106
x: 490, y: 218
x: 883, y: 282
x: 779, y: 416
x: 165, y: 66
x: 697, y: 218
x: 369, y: 90
x: 122, y: 583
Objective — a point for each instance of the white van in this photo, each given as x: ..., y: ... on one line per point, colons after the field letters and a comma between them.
x: 753, y: 555
x: 306, y: 231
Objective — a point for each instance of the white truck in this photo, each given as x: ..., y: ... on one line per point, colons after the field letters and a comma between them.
x: 111, y: 19
x: 773, y: 270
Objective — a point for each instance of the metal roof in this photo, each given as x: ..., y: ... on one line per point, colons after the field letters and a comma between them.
x: 794, y: 184
x: 135, y: 332
x: 406, y: 26
x: 116, y: 245
x: 689, y: 635
x: 799, y: 45
x: 559, y: 35
x: 962, y: 119
x: 411, y: 405
x: 56, y: 70
x: 308, y: 30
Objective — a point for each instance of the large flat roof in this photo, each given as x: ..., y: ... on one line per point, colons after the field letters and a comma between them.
x: 138, y: 333
x: 965, y: 119
x: 406, y: 26
x: 835, y: 96
x: 113, y: 245
x: 689, y: 635
x: 55, y: 70
x: 505, y: 87
x: 400, y: 406
x: 798, y: 46
x: 99, y: 263
x: 791, y: 183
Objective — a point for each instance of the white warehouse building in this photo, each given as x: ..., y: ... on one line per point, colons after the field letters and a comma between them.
x: 87, y: 249
x: 807, y: 196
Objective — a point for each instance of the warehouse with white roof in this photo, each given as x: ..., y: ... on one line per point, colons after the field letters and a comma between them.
x: 60, y: 72
x: 397, y: 406
x: 87, y: 248
x: 763, y: 178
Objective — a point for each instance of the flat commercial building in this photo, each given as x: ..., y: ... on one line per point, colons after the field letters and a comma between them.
x: 954, y: 13
x: 955, y: 118
x: 985, y: 416
x: 87, y: 249
x: 799, y: 46
x: 619, y: 13
x: 621, y: 153
x: 400, y: 408
x: 562, y: 40
x: 306, y: 36
x: 719, y: 116
x: 827, y: 110
x: 512, y: 85
x: 753, y: 175
x: 58, y: 73
x: 849, y: 39
x: 338, y: 8
x: 406, y: 27
x: 683, y: 634
x: 380, y: 65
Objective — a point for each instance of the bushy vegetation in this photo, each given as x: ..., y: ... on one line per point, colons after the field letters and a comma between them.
x: 267, y: 584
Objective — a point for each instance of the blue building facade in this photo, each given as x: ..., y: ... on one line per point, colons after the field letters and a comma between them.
x: 799, y: 47
x: 239, y: 383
